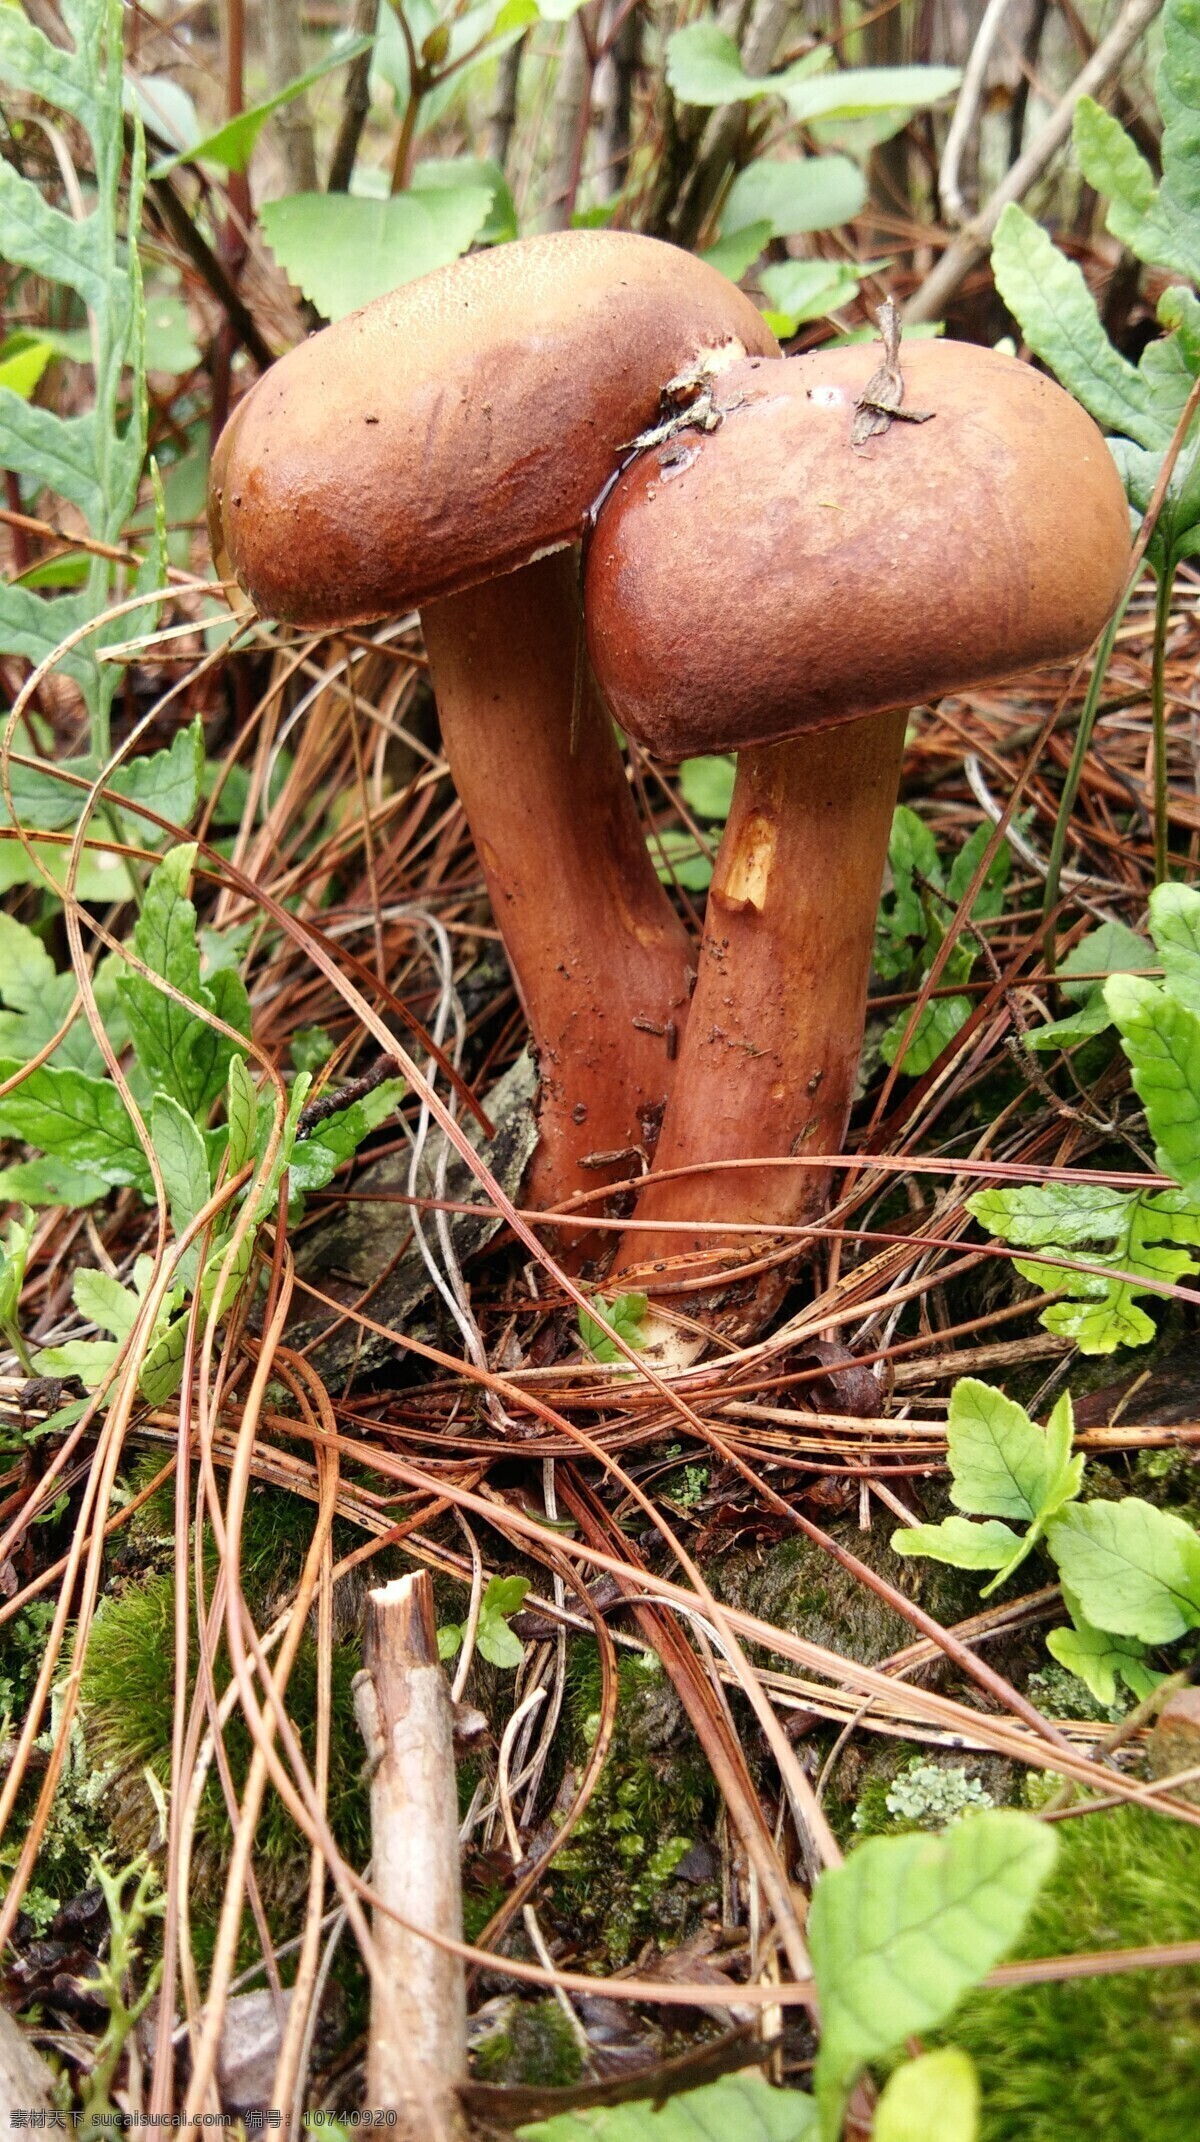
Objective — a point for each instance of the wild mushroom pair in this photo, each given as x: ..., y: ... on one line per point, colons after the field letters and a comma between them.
x: 759, y: 580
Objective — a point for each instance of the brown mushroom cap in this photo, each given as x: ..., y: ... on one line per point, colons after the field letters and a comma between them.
x: 456, y: 428
x: 752, y: 582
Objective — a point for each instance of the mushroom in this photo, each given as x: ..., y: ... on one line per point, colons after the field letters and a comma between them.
x: 764, y: 587
x: 440, y: 450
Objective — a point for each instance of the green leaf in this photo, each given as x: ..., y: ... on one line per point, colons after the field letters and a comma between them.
x: 801, y: 290
x: 22, y: 362
x: 342, y: 250
x: 93, y: 457
x: 803, y: 193
x: 624, y: 1315
x: 496, y: 1641
x: 940, y: 1021
x: 162, y: 1370
x: 81, y: 1119
x: 1111, y: 162
x: 678, y: 859
x: 936, y: 2096
x: 233, y: 144
x: 1003, y: 1464
x: 170, y: 344
x: 50, y: 1182
x: 14, y: 1251
x: 241, y: 1108
x: 704, y: 67
x: 104, y: 1301
x: 184, y: 1164
x: 1161, y: 1038
x: 1175, y: 928
x: 88, y: 1359
x: 166, y: 782
x: 706, y: 786
x: 739, y: 2108
x: 316, y: 1158
x: 1134, y: 1568
x: 180, y: 1053
x: 857, y: 92
x: 449, y: 1641
x: 964, y: 1545
x: 1048, y: 295
x: 1099, y: 1659
x: 735, y: 254
x: 1121, y: 1231
x: 902, y: 1930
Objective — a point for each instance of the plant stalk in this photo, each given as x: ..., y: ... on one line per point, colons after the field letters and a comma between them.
x: 1158, y: 710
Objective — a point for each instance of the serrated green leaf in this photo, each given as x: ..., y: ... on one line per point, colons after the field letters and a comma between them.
x: 166, y: 782
x: 1161, y: 1038
x: 1175, y: 928
x: 1121, y: 1231
x: 933, y: 2099
x: 940, y: 1021
x: 1112, y: 163
x: 1135, y: 1569
x: 902, y: 1930
x: 624, y: 1315
x: 88, y: 1359
x: 1099, y: 1659
x: 739, y: 2108
x: 180, y: 1053
x: 342, y: 250
x: 69, y: 1115
x: 1002, y: 1463
x: 962, y: 1544
x: 1046, y: 292
x: 91, y: 459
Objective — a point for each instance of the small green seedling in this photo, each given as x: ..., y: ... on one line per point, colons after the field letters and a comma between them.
x: 494, y: 1640
x: 625, y: 1314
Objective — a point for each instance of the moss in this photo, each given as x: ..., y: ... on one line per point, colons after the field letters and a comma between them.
x: 615, y: 1882
x: 528, y: 2042
x: 798, y: 1585
x: 127, y: 1707
x: 1125, y: 2049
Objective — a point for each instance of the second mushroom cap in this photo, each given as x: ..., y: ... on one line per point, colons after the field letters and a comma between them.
x: 768, y: 576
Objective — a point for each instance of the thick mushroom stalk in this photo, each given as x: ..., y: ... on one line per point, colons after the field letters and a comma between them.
x: 537, y: 767
x: 430, y: 452
x: 765, y: 587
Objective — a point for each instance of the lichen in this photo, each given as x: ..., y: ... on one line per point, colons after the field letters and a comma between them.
x: 927, y: 1796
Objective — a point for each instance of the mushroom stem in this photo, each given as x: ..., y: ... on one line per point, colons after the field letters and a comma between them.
x: 602, y: 964
x: 770, y: 1057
